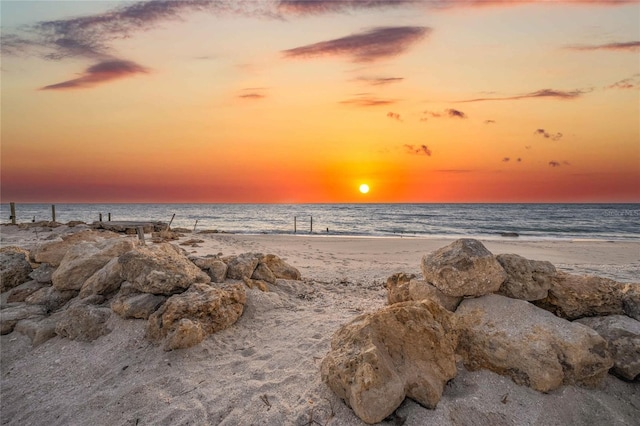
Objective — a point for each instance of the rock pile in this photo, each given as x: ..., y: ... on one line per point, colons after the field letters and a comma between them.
x: 517, y: 317
x: 70, y: 287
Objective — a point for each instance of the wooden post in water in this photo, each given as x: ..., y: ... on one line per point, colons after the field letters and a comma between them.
x: 312, y: 224
x: 100, y: 217
x: 194, y: 225
x: 171, y: 221
x: 295, y: 218
x: 109, y: 217
x: 140, y: 230
x: 53, y: 212
x: 13, y: 213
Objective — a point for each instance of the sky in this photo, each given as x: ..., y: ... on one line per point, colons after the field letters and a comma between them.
x: 290, y: 101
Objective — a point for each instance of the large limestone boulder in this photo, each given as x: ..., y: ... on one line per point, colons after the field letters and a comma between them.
x: 397, y: 286
x: 20, y: 293
x: 623, y: 337
x: 214, y: 267
x: 53, y: 252
x: 160, y: 269
x: 535, y: 348
x: 526, y: 279
x: 631, y: 302
x: 378, y: 359
x: 129, y: 303
x: 83, y: 323
x: 39, y: 330
x: 50, y: 298
x: 263, y: 273
x: 243, y: 265
x: 43, y: 273
x: 85, y: 259
x: 403, y: 287
x: 106, y: 280
x: 576, y: 296
x: 206, y: 307
x: 10, y: 315
x: 14, y: 270
x: 463, y: 268
x: 280, y: 268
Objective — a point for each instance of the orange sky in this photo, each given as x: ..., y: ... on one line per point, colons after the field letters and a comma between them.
x: 282, y: 101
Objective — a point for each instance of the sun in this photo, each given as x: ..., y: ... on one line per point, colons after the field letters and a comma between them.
x: 364, y: 188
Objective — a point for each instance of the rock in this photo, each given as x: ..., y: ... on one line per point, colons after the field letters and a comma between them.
x: 509, y: 234
x: 10, y: 315
x: 623, y: 337
x: 214, y: 267
x: 43, y: 273
x: 185, y: 335
x: 526, y: 279
x: 403, y: 287
x: 14, y: 270
x: 259, y: 284
x: 211, y: 308
x: 105, y: 280
x: 38, y: 330
x: 242, y: 265
x: 263, y: 273
x: 532, y: 346
x: 576, y: 296
x: 463, y: 268
x: 136, y: 305
x: 84, y: 323
x: 160, y: 269
x: 402, y: 350
x: 85, y: 259
x: 631, y: 302
x: 53, y: 252
x: 398, y: 287
x: 280, y: 268
x: 20, y: 293
x: 50, y: 298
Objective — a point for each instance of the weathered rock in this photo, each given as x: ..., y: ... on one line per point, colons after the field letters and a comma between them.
x: 463, y: 268
x: 38, y: 330
x: 242, y: 265
x: 214, y: 267
x: 53, y: 252
x: 263, y: 273
x: 106, y: 280
x: 160, y: 269
x: 403, y: 287
x: 259, y: 284
x: 398, y: 287
x: 526, y: 279
x: 14, y: 270
x: 402, y: 350
x: 83, y: 323
x: 623, y: 337
x: 532, y: 346
x: 577, y: 296
x: 50, y: 298
x: 136, y: 305
x: 211, y: 308
x: 631, y: 302
x: 280, y: 268
x: 20, y: 293
x: 85, y: 259
x: 43, y: 273
x: 10, y: 315
x: 185, y: 335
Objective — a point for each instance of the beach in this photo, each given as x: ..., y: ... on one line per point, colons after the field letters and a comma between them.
x: 265, y: 369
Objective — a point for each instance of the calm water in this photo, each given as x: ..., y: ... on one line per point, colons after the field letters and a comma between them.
x: 531, y: 221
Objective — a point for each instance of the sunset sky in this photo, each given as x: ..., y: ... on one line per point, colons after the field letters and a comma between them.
x: 304, y: 101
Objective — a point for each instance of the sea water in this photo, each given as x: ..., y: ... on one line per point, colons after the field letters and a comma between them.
x: 529, y: 221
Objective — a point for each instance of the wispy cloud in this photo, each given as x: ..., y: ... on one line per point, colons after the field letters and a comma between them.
x: 365, y: 100
x: 506, y: 159
x: 544, y: 93
x: 374, y: 44
x: 451, y: 113
x: 547, y: 135
x: 379, y: 81
x: 252, y: 93
x: 556, y: 164
x: 454, y: 113
x: 394, y: 116
x: 100, y: 73
x: 489, y: 121
x: 417, y: 150
x: 631, y: 46
x: 627, y: 83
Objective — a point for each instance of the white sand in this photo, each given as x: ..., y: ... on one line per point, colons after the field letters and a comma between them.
x: 265, y: 368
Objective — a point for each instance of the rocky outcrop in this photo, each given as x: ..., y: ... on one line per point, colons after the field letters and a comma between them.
x: 50, y: 298
x: 85, y: 259
x: 214, y: 267
x: 129, y: 303
x: 403, y: 287
x: 397, y: 286
x: 280, y: 268
x: 631, y: 302
x: 43, y: 273
x: 20, y: 293
x: 106, y: 280
x: 53, y: 252
x: 263, y: 273
x: 210, y: 308
x: 378, y: 359
x: 38, y: 330
x: 577, y: 296
x: 83, y: 323
x: 185, y: 334
x: 160, y: 269
x: 10, y: 315
x: 623, y: 337
x: 526, y: 279
x: 242, y: 265
x: 14, y: 270
x: 463, y: 268
x: 535, y: 348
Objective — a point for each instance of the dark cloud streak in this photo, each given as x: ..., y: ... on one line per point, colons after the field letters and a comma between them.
x: 100, y: 73
x: 631, y: 46
x: 544, y: 93
x: 417, y: 150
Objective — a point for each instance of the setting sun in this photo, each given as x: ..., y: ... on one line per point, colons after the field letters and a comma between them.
x: 364, y: 188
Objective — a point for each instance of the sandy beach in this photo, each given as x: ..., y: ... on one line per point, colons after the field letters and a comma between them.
x: 265, y: 368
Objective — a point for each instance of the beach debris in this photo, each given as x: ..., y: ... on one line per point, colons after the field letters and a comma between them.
x: 463, y: 268
x: 83, y: 323
x: 129, y: 228
x: 207, y: 308
x: 378, y: 359
x: 160, y: 269
x: 532, y: 346
x: 526, y: 279
x: 14, y: 269
x: 53, y: 252
x: 130, y: 303
x: 623, y: 339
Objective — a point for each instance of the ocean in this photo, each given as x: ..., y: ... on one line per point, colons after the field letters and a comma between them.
x: 487, y: 221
